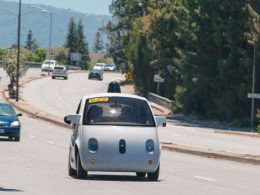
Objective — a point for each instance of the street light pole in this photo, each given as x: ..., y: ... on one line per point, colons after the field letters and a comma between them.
x: 50, y: 39
x: 50, y: 32
x: 18, y: 52
x: 253, y: 89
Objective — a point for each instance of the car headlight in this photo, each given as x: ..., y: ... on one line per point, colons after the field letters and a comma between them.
x: 149, y: 146
x: 15, y: 123
x: 92, y: 145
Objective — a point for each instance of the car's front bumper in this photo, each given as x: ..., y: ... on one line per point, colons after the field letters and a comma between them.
x: 9, y: 131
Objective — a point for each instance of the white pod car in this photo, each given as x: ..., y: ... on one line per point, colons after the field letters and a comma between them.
x: 114, y: 132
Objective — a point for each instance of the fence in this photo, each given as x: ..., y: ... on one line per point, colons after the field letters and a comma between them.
x: 160, y: 100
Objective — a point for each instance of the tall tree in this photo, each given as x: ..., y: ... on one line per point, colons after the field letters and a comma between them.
x: 31, y: 43
x: 98, y: 44
x: 71, y: 37
x: 76, y: 41
x: 82, y: 45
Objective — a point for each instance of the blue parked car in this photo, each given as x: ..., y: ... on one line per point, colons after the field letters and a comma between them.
x: 9, y: 123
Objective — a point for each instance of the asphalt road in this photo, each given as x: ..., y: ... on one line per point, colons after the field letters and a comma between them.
x: 61, y: 97
x: 38, y: 165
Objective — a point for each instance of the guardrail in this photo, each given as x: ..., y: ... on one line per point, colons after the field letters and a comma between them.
x: 165, y: 102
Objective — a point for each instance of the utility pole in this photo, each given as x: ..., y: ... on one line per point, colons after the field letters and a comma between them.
x: 18, y: 52
x: 253, y: 89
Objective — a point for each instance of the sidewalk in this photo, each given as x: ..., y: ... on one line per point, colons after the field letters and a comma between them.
x: 211, y: 153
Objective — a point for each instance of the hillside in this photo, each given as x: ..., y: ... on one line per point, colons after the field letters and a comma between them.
x: 39, y: 23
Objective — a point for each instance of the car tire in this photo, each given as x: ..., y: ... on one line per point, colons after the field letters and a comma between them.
x: 17, y: 138
x: 65, y: 78
x: 80, y: 172
x: 53, y: 77
x: 154, y: 175
x: 140, y: 174
x: 72, y: 172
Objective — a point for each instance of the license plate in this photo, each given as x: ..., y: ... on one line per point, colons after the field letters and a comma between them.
x: 2, y: 131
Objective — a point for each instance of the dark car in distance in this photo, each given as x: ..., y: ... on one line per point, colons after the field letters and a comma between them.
x: 9, y: 123
x: 96, y: 74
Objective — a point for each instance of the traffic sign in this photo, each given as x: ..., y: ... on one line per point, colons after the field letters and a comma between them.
x: 157, y: 78
x: 253, y: 95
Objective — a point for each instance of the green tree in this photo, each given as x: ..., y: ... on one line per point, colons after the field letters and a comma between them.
x: 76, y: 41
x: 82, y: 45
x: 31, y: 43
x: 98, y: 44
x: 61, y: 54
x: 10, y: 65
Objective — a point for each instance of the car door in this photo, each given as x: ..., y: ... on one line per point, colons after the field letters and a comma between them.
x: 75, y: 129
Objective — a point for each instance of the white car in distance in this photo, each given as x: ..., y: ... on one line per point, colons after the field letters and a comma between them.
x: 114, y: 132
x: 48, y: 65
x: 60, y: 71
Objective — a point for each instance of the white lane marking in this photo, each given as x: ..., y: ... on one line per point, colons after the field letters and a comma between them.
x: 205, y: 141
x: 172, y: 170
x: 175, y: 135
x: 181, y: 127
x: 60, y: 98
x: 204, y: 178
x: 32, y: 136
x: 50, y: 142
x: 240, y: 146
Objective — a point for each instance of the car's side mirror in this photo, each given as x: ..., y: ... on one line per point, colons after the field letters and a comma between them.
x: 19, y: 114
x: 160, y: 121
x: 73, y: 118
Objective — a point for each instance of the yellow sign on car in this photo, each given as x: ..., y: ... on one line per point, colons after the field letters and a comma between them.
x: 98, y: 99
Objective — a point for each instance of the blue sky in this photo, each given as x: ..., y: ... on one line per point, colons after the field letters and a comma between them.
x: 85, y: 6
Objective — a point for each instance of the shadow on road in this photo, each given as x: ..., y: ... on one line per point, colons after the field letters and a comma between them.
x: 122, y: 178
x: 9, y: 190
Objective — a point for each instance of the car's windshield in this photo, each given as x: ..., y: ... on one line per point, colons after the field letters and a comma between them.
x: 118, y: 111
x: 48, y: 62
x: 7, y: 110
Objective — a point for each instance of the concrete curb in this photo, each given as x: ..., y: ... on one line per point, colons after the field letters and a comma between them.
x: 35, y: 113
x: 242, y: 158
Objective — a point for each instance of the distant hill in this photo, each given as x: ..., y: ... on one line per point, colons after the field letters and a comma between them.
x: 39, y: 23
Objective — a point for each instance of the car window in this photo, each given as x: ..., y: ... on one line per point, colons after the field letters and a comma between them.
x: 59, y: 68
x: 78, y: 109
x: 121, y: 111
x: 7, y: 110
x: 47, y: 62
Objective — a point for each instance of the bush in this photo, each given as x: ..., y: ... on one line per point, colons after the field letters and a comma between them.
x: 258, y: 128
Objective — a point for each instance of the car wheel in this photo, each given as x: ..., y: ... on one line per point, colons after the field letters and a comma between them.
x: 81, y: 173
x: 72, y: 172
x: 17, y: 138
x: 65, y: 78
x: 154, y: 175
x: 140, y: 174
x: 53, y: 77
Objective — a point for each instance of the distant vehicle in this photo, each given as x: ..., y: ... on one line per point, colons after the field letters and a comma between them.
x: 114, y: 132
x: 48, y: 65
x: 99, y: 66
x: 110, y: 67
x: 114, y: 87
x: 96, y: 74
x: 60, y: 71
x: 9, y: 123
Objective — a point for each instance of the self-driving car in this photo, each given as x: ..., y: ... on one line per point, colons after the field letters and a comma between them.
x: 114, y: 132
